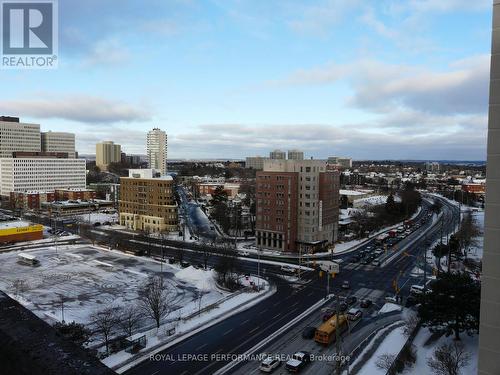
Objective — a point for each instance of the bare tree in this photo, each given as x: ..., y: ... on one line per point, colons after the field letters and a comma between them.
x: 129, y: 319
x: 385, y: 361
x: 156, y: 299
x: 105, y: 322
x: 448, y: 359
x: 410, y: 323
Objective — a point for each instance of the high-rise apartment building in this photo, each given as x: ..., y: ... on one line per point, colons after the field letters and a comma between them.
x: 489, y: 329
x: 59, y: 142
x: 277, y: 155
x: 16, y: 136
x: 147, y: 202
x: 40, y: 173
x: 295, y: 155
x: 106, y: 153
x: 156, y: 150
x: 297, y: 205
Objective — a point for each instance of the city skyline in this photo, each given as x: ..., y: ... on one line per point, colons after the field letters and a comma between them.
x: 372, y: 80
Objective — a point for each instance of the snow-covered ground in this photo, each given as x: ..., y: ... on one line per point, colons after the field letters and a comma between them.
x: 476, y: 252
x: 425, y: 351
x: 391, y: 344
x: 389, y: 307
x: 98, y: 217
x: 89, y: 279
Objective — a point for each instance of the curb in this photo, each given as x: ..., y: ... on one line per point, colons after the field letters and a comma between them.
x: 132, y: 362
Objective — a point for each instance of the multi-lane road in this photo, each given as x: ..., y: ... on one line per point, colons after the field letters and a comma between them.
x: 241, y: 332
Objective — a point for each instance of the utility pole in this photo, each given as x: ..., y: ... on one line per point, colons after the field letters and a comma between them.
x: 337, y: 335
x: 259, y: 249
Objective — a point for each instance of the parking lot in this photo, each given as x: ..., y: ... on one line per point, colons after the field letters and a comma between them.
x: 78, y: 280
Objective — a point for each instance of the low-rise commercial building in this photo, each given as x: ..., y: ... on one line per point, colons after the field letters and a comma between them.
x: 19, y: 230
x: 147, y: 202
x: 30, y: 200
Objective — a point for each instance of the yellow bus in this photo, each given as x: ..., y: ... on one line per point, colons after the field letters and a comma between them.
x: 325, y: 333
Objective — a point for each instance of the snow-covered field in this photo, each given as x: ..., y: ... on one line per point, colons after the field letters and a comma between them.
x: 89, y: 279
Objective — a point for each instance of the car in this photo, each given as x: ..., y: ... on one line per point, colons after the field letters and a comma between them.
x: 351, y: 300
x: 376, y: 262
x: 308, y: 332
x: 287, y: 269
x: 244, y: 253
x: 343, y: 307
x: 185, y: 264
x: 328, y: 314
x: 353, y: 260
x: 366, y: 303
x: 354, y: 314
x: 391, y: 299
x: 346, y: 285
x: 97, y: 224
x: 106, y: 223
x: 417, y: 289
x: 411, y: 301
x: 270, y: 364
x: 365, y: 261
x: 298, y: 361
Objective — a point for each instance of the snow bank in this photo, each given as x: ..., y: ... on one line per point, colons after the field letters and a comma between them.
x: 201, y: 279
x: 388, y: 307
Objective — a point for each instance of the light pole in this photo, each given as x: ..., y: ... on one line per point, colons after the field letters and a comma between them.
x: 259, y: 249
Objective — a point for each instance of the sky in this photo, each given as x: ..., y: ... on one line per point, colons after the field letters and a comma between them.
x: 367, y: 79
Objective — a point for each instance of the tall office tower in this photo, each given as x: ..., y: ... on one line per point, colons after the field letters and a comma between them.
x: 297, y: 205
x: 277, y: 155
x: 255, y: 162
x: 156, y: 149
x: 16, y: 136
x: 106, y: 153
x: 295, y: 155
x: 489, y: 329
x: 147, y: 202
x: 59, y: 142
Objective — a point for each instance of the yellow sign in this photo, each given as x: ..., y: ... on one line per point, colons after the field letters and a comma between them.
x: 18, y: 230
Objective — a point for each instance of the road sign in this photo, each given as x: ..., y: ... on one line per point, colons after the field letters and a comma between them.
x: 329, y: 266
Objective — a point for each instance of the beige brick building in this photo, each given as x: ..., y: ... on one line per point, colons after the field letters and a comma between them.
x: 147, y: 202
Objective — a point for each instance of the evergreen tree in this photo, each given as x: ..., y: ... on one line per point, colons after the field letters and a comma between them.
x: 452, y: 304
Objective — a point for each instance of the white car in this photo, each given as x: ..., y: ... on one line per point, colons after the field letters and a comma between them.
x: 244, y: 253
x: 269, y: 364
x: 288, y: 269
x: 354, y: 314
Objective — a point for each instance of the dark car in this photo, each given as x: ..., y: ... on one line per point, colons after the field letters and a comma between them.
x: 308, y: 332
x: 185, y: 264
x: 328, y: 314
x: 351, y: 300
x: 97, y: 224
x: 366, y: 303
x: 365, y: 261
x: 411, y: 301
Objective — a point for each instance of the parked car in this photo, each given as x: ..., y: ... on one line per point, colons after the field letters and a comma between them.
x: 354, y: 314
x: 270, y: 364
x: 417, y: 289
x: 185, y: 264
x: 308, y: 332
x: 411, y: 301
x: 365, y: 261
x: 366, y: 303
x: 391, y: 299
x: 298, y: 361
x: 346, y: 285
x: 376, y: 262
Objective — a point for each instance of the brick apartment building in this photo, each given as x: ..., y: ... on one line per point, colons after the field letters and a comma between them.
x: 147, y: 203
x: 297, y: 205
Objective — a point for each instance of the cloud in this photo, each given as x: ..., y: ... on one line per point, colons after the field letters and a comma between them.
x: 106, y: 52
x: 79, y: 108
x: 383, y: 87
